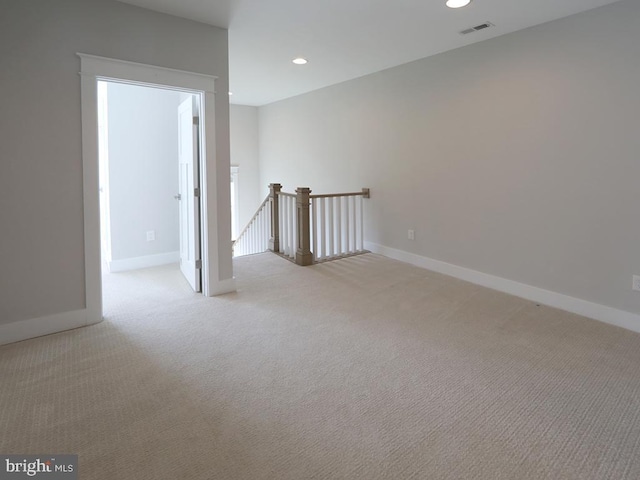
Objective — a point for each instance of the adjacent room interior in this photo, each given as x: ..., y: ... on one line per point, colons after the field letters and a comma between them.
x: 148, y: 144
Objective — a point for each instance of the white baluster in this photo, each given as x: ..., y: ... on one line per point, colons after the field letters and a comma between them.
x: 355, y: 222
x: 293, y: 232
x: 331, y: 227
x: 288, y: 218
x: 323, y: 230
x: 265, y: 233
x: 314, y: 228
x: 267, y: 227
x: 361, y: 224
x: 247, y: 239
x: 260, y: 233
x: 283, y: 224
x: 263, y: 229
x: 253, y: 236
x: 286, y: 222
x: 345, y: 226
x: 338, y: 225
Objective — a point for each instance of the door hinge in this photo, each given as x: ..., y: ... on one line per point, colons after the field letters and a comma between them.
x: 199, y: 264
x: 196, y: 120
x: 196, y: 192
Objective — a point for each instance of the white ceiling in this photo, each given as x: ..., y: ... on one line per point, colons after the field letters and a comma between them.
x: 345, y: 39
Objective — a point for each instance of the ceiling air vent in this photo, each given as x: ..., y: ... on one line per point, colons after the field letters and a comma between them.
x: 477, y: 28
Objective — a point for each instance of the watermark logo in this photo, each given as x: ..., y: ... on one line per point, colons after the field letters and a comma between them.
x: 49, y: 467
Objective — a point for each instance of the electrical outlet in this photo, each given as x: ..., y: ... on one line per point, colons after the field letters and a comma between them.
x: 411, y: 234
x: 635, y: 283
x: 151, y: 235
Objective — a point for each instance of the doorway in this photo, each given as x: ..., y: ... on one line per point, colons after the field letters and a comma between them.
x: 149, y: 176
x: 216, y: 263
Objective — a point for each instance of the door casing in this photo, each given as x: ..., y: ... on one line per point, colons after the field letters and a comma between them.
x: 95, y: 68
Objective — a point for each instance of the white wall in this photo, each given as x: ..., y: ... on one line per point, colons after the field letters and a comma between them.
x: 516, y: 157
x: 244, y: 153
x: 41, y: 245
x: 143, y: 171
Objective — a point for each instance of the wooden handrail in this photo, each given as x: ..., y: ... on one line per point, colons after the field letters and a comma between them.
x: 332, y: 195
x: 365, y: 193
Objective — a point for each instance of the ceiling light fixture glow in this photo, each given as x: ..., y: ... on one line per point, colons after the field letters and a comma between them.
x: 458, y: 3
x: 299, y: 61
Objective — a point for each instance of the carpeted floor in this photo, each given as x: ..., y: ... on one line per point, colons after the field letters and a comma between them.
x: 363, y: 368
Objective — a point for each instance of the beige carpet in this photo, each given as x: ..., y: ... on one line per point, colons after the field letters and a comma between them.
x: 364, y: 368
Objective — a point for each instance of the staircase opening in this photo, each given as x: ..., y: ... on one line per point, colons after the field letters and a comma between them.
x: 306, y: 228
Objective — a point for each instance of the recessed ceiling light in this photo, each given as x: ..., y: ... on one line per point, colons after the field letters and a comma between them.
x: 230, y: 93
x: 300, y: 61
x: 458, y: 3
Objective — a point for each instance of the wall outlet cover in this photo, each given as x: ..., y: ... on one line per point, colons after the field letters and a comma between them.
x: 151, y: 235
x: 411, y: 234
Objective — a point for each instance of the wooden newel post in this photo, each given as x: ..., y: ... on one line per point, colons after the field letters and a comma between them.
x: 303, y: 253
x: 274, y: 239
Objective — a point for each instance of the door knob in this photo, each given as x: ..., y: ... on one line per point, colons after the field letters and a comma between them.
x: 177, y: 197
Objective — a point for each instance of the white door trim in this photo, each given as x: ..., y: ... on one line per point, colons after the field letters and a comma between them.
x: 94, y: 68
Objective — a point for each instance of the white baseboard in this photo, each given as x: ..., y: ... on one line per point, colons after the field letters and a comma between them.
x: 37, y: 327
x: 221, y: 287
x: 613, y: 316
x: 147, y: 261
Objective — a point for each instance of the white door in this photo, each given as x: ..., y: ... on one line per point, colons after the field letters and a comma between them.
x: 188, y: 194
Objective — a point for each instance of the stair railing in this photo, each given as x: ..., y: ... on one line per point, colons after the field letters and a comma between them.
x: 288, y: 226
x: 254, y: 238
x: 337, y: 224
x: 306, y: 228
